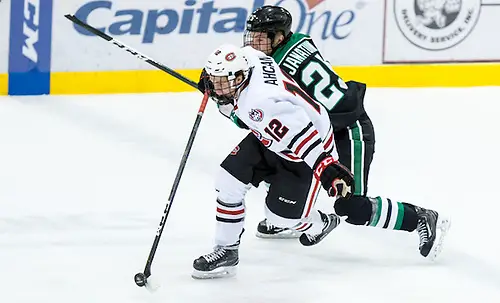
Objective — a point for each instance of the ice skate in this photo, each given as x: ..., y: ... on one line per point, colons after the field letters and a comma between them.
x: 331, y: 221
x: 432, y: 229
x: 220, y: 263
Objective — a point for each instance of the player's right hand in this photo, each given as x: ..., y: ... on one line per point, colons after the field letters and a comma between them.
x: 335, y: 177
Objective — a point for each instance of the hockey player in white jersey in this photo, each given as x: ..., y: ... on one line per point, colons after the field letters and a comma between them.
x: 284, y: 121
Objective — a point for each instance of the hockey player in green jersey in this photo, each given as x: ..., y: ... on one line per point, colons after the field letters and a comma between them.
x: 269, y: 30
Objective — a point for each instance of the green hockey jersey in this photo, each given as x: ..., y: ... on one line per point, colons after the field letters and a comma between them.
x: 299, y: 57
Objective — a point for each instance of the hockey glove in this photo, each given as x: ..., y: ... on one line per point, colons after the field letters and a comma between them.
x: 205, y: 83
x: 335, y: 177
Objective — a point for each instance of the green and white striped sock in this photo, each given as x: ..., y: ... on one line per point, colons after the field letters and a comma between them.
x: 386, y: 213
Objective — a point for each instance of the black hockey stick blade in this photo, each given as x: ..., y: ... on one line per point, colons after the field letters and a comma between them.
x: 130, y: 50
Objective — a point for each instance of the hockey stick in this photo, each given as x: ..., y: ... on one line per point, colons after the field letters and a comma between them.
x: 141, y: 279
x: 132, y: 51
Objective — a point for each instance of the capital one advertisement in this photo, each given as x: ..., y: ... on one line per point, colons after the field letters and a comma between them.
x: 182, y: 33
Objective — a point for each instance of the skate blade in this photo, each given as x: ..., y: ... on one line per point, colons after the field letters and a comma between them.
x: 442, y: 227
x: 282, y: 235
x: 222, y: 272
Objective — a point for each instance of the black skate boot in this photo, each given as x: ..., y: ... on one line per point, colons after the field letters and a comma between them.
x: 268, y: 231
x: 220, y: 263
x: 331, y: 221
x: 431, y: 228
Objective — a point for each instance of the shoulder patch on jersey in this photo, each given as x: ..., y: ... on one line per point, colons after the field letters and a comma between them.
x: 256, y: 114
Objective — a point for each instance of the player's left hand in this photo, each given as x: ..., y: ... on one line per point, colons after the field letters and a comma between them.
x: 335, y: 177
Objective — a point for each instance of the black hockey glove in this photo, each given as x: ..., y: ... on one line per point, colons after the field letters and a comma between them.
x: 204, y: 83
x: 335, y: 177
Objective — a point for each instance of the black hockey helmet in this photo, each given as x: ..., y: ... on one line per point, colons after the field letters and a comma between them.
x: 270, y: 19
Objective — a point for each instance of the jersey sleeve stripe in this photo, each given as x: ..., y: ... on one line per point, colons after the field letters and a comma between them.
x: 329, y: 142
x: 300, y: 134
x: 289, y: 155
x: 310, y: 148
x: 304, y: 142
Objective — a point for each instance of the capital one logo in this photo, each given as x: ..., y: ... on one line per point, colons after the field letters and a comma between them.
x: 210, y: 16
x: 30, y: 28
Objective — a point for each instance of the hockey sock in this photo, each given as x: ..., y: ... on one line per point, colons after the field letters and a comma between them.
x: 390, y: 214
x: 378, y: 212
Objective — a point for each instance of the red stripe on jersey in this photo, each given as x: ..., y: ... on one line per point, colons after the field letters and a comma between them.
x: 230, y: 212
x: 311, y: 201
x: 291, y: 157
x: 297, y: 150
x: 330, y: 140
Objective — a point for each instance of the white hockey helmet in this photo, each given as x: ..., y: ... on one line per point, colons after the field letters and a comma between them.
x: 228, y: 61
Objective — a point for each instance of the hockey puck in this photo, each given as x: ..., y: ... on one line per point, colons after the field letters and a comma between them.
x: 140, y: 279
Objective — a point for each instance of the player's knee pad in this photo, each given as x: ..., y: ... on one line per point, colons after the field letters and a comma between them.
x: 229, y: 189
x: 358, y: 209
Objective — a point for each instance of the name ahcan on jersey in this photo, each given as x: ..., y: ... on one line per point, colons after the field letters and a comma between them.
x: 268, y: 71
x: 298, y: 55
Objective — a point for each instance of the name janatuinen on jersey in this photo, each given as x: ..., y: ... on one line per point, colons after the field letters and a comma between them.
x: 298, y: 55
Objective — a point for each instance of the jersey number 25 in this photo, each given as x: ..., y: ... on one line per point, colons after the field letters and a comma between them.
x: 320, y: 80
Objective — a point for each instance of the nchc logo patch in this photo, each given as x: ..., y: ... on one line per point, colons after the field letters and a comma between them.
x: 30, y: 47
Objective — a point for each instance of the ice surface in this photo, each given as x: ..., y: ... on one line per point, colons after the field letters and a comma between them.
x: 84, y: 181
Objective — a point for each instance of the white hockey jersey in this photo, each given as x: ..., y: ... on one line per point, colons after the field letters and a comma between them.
x: 282, y: 116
